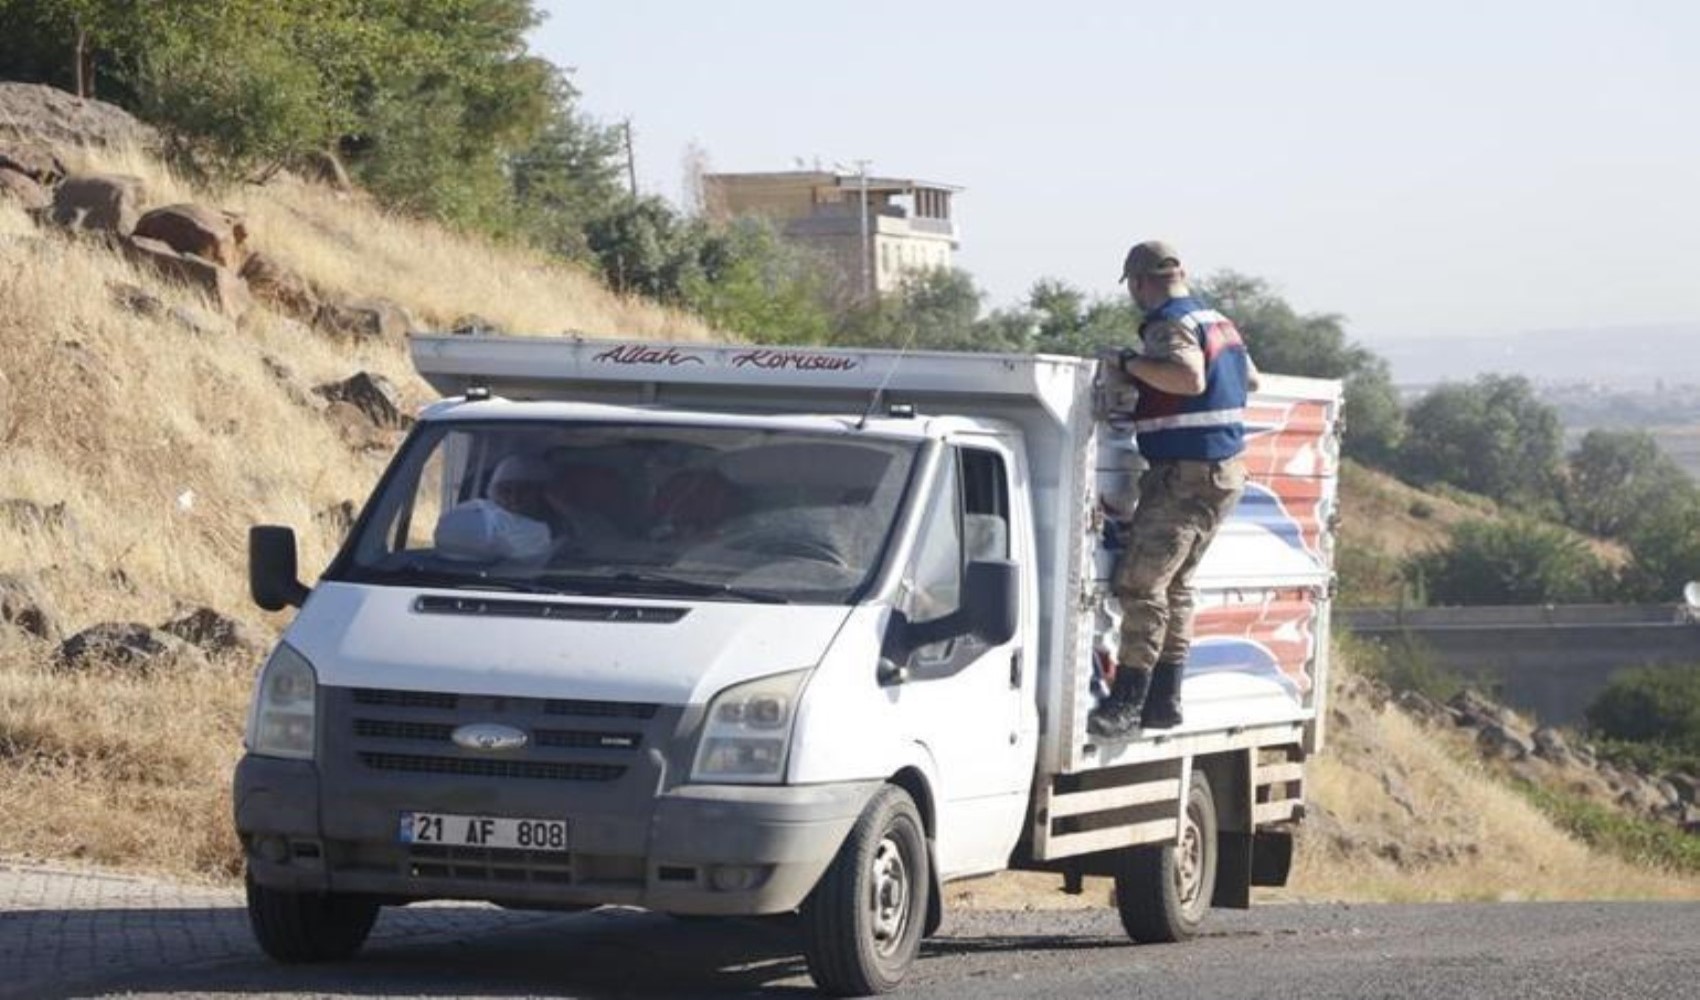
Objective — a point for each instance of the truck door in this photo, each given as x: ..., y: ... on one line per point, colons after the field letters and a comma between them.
x: 965, y: 700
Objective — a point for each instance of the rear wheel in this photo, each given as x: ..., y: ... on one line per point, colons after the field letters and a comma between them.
x: 862, y: 924
x: 308, y: 926
x: 1163, y: 892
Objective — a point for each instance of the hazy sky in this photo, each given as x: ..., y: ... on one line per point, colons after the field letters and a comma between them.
x: 1423, y: 168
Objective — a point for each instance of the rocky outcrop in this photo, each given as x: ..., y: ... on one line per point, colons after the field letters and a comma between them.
x: 365, y: 318
x: 24, y: 191
x: 279, y: 286
x: 1547, y: 757
x: 220, y: 284
x: 214, y: 236
x: 32, y: 159
x: 371, y: 395
x: 109, y: 203
x: 216, y: 634
x: 129, y: 645
x: 25, y: 606
x: 50, y: 115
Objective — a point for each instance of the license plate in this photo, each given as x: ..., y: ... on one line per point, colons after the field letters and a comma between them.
x: 483, y: 831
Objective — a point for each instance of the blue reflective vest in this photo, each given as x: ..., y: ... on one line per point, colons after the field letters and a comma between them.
x: 1207, y: 427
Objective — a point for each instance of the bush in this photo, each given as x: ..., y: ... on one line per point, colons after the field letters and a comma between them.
x: 1657, y: 705
x: 1368, y: 577
x: 1638, y: 841
x: 1517, y: 561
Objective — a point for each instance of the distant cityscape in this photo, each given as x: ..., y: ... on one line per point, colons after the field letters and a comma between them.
x: 1645, y: 377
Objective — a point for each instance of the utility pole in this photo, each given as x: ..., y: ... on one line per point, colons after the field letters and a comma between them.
x: 631, y: 159
x: 867, y: 249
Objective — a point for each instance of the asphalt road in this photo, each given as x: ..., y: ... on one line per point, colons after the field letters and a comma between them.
x: 1313, y: 952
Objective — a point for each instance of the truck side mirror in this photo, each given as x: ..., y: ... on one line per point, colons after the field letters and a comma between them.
x: 273, y: 580
x: 991, y: 594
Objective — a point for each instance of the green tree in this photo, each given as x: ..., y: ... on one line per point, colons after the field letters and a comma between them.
x: 1517, y: 561
x: 1066, y: 321
x: 1618, y: 479
x: 751, y: 282
x: 1665, y: 543
x: 937, y: 310
x: 644, y: 247
x: 569, y: 175
x: 1285, y: 341
x: 1491, y: 436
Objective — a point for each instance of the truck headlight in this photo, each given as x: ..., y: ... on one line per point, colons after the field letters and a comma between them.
x: 747, y: 734
x: 285, y: 712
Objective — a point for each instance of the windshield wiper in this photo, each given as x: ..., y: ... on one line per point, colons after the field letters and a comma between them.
x: 662, y: 583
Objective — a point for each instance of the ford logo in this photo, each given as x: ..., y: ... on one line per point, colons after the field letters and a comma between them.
x: 490, y: 736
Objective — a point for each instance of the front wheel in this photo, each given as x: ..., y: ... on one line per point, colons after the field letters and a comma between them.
x: 308, y: 926
x: 1163, y: 892
x: 862, y: 924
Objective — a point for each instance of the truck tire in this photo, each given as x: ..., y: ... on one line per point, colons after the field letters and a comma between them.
x: 1163, y: 891
x: 862, y: 924
x: 308, y: 926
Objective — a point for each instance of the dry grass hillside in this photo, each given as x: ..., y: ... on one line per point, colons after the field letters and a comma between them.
x: 164, y: 443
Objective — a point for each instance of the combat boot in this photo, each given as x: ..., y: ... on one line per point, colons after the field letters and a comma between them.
x: 1163, y: 704
x: 1117, y: 715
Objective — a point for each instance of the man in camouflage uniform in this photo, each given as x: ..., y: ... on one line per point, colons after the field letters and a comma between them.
x: 1193, y: 374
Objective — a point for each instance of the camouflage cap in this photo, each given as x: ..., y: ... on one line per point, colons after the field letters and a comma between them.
x: 1153, y: 258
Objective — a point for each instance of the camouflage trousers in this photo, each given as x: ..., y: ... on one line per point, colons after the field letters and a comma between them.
x: 1181, y: 506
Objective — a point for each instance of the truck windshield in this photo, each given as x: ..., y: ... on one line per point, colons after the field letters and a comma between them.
x: 697, y: 512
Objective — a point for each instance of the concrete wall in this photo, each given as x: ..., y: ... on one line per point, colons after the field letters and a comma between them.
x: 1553, y: 670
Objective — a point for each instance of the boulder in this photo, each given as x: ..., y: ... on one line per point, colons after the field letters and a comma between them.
x: 28, y: 516
x: 1686, y: 785
x: 216, y: 634
x: 474, y: 325
x: 1475, y: 711
x: 277, y: 285
x: 373, y: 396
x: 1421, y: 707
x: 25, y: 606
x: 24, y: 190
x: 48, y: 115
x: 212, y: 235
x: 220, y: 284
x: 372, y: 317
x: 34, y: 160
x: 99, y: 202
x: 121, y: 644
x: 1497, y: 740
x: 1551, y: 745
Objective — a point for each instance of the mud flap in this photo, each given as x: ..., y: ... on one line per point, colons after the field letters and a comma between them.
x: 1271, y: 857
x: 1233, y: 871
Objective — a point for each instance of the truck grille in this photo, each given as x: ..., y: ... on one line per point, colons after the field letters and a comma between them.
x: 488, y: 864
x: 570, y: 740
x: 405, y: 699
x: 487, y: 768
x: 442, y: 732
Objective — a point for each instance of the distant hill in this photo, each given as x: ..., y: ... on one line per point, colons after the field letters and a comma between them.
x: 1621, y: 356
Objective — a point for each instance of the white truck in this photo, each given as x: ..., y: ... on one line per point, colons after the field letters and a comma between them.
x: 744, y: 630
